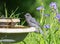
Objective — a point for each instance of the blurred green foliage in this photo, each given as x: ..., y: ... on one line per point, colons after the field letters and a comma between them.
x: 25, y: 6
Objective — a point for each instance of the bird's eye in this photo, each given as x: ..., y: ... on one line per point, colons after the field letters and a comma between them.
x: 27, y: 15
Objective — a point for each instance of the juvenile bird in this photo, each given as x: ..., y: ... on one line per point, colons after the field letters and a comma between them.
x: 33, y: 23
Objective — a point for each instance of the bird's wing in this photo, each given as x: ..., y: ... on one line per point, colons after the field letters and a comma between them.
x: 34, y: 21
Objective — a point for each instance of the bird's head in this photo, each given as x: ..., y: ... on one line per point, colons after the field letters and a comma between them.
x: 27, y: 15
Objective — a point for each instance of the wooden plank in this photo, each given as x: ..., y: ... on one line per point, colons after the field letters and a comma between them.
x: 9, y: 20
x: 12, y: 26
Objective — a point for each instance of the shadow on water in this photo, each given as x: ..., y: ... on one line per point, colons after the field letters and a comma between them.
x: 17, y: 36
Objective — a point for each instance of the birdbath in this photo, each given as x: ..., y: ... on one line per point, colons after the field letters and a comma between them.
x: 10, y: 32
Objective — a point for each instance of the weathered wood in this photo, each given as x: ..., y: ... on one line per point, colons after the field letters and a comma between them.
x: 11, y: 26
x: 9, y: 20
